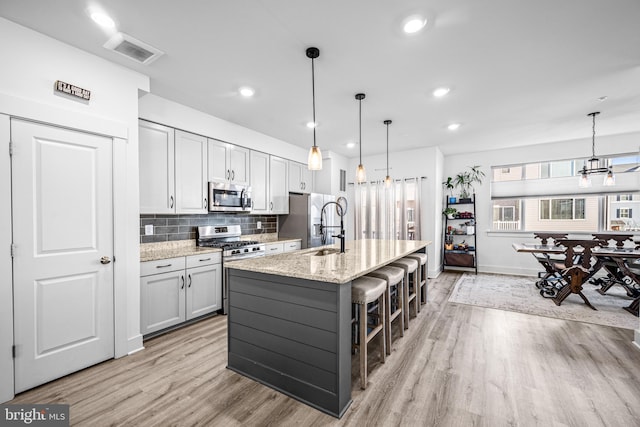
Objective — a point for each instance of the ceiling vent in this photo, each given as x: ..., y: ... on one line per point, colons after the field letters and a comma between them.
x: 133, y: 48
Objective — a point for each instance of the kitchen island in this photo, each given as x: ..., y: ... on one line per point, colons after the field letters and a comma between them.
x: 289, y: 324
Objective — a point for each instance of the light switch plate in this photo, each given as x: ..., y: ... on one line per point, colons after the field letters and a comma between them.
x: 148, y: 230
x: 259, y: 225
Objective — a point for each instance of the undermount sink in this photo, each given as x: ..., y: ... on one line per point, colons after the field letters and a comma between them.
x: 324, y: 252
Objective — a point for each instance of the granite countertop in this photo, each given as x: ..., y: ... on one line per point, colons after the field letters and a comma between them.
x: 178, y: 248
x: 165, y: 250
x: 361, y: 257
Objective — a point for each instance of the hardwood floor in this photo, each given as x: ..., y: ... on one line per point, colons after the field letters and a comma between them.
x: 457, y: 365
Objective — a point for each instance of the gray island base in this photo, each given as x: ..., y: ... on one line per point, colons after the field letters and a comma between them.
x: 289, y: 318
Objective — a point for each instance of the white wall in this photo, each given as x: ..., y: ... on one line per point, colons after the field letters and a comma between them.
x: 33, y: 62
x: 166, y: 112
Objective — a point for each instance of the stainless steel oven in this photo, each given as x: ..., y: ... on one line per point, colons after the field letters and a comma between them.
x: 227, y: 238
x: 226, y: 197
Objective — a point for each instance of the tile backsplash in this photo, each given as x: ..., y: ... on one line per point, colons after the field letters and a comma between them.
x: 167, y: 227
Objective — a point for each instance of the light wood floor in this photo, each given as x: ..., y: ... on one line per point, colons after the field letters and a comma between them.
x: 457, y: 365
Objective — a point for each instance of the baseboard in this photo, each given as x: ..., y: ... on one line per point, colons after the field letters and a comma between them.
x: 501, y: 269
x: 134, y: 344
x: 636, y: 338
x: 432, y: 274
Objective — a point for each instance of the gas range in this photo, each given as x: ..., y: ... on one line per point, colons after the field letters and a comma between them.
x: 227, y: 238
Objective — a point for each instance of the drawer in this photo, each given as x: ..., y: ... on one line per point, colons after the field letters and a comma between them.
x: 161, y: 266
x: 274, y: 248
x: 204, y: 259
x: 292, y: 246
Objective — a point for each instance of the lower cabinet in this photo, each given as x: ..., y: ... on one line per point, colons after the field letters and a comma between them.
x: 278, y: 248
x: 175, y: 290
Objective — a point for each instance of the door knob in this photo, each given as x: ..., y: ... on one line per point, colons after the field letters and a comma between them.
x: 105, y: 260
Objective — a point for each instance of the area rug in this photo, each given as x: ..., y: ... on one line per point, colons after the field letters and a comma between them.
x: 519, y: 294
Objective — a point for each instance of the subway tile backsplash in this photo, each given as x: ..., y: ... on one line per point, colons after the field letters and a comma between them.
x: 168, y: 227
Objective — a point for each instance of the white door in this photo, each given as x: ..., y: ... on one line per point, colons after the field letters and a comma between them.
x: 63, y: 226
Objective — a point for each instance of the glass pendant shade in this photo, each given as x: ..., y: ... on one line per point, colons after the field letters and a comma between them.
x: 315, y: 159
x: 361, y: 174
x: 585, y: 181
x: 387, y: 181
x: 609, y: 179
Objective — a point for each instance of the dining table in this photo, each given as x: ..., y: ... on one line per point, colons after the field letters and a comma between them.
x: 583, y: 259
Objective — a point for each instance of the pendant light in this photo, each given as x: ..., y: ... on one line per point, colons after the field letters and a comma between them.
x: 315, y: 156
x: 361, y: 174
x: 585, y: 179
x: 387, y: 179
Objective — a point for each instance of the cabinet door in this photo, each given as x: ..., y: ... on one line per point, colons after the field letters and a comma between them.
x: 307, y: 179
x: 259, y: 182
x: 239, y: 165
x: 162, y: 298
x: 278, y: 186
x: 191, y: 173
x: 204, y: 290
x: 156, y: 162
x: 274, y: 248
x: 295, y: 177
x: 217, y: 161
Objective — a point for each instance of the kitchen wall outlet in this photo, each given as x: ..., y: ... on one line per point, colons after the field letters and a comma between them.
x: 148, y: 230
x: 259, y: 225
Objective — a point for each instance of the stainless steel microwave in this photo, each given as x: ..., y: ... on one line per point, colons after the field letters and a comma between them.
x: 226, y: 197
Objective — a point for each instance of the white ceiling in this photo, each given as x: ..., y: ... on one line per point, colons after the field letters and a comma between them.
x: 521, y: 72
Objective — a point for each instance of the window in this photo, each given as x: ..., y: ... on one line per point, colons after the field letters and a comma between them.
x: 624, y: 213
x: 624, y: 197
x: 506, y: 215
x: 560, y: 209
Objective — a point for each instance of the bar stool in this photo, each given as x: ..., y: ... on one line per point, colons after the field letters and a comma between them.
x: 422, y: 276
x: 365, y: 290
x: 394, y: 277
x: 410, y: 267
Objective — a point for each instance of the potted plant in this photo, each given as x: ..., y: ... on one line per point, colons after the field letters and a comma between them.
x: 450, y: 212
x: 465, y: 180
x: 449, y: 184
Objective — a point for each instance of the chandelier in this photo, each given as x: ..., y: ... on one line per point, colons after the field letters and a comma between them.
x: 594, y: 162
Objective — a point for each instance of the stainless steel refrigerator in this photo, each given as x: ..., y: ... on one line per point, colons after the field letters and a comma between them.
x: 303, y: 221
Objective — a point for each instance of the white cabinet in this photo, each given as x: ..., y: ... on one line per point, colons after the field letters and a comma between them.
x: 281, y: 247
x: 173, y: 170
x: 228, y: 162
x: 300, y: 178
x: 274, y: 248
x: 191, y: 173
x: 175, y: 290
x: 292, y: 246
x: 259, y: 183
x: 278, y: 186
x: 156, y: 160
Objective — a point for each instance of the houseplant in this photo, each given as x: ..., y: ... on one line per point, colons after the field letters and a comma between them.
x: 450, y: 212
x: 449, y: 184
x: 465, y: 180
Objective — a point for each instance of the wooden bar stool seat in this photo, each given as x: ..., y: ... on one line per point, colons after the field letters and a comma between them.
x: 365, y: 290
x: 394, y: 277
x: 422, y: 276
x: 410, y: 267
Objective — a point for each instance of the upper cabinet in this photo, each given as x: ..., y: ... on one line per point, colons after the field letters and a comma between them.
x: 191, y: 173
x: 278, y: 186
x: 157, y: 184
x: 259, y: 183
x: 227, y: 162
x: 173, y: 170
x: 300, y: 178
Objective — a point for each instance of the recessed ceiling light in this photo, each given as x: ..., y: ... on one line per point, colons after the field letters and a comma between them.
x: 441, y: 91
x: 413, y: 24
x: 453, y: 126
x: 311, y: 125
x: 602, y: 98
x: 247, y: 92
x: 351, y: 144
x: 103, y: 20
